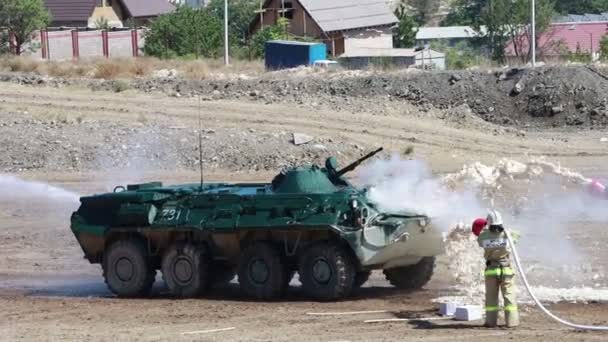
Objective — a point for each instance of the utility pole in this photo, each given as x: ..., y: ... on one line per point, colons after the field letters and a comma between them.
x: 226, y: 57
x: 533, y: 38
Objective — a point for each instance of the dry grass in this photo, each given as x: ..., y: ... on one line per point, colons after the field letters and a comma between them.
x: 194, y: 70
x: 19, y: 64
x: 67, y: 69
x: 108, y: 70
x: 126, y: 68
x: 142, y: 66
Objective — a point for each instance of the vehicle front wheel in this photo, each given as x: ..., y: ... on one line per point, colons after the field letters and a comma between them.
x: 127, y: 268
x: 327, y: 272
x: 185, y: 268
x: 262, y: 271
x: 411, y: 277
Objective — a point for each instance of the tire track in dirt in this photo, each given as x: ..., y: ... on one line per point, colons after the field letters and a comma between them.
x: 363, y: 128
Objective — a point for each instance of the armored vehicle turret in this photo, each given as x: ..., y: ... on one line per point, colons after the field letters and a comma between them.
x: 309, y: 220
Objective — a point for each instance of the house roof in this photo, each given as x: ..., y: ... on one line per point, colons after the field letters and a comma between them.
x: 338, y: 15
x: 81, y: 10
x: 384, y: 52
x: 70, y: 10
x: 447, y: 32
x: 562, y: 37
x: 574, y: 18
x: 292, y: 42
x: 147, y: 8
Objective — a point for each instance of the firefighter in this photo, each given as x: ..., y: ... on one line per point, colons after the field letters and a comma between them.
x: 499, y: 275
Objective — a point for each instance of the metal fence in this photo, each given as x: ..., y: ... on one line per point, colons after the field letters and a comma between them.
x: 75, y: 43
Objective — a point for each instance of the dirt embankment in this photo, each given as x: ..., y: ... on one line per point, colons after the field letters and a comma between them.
x: 524, y: 98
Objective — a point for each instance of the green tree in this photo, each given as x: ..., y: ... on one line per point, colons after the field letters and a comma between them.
x: 183, y: 33
x: 23, y: 17
x: 460, y: 56
x: 504, y: 20
x: 518, y: 21
x: 604, y: 48
x: 274, y: 32
x: 423, y: 10
x: 3, y: 42
x: 240, y: 15
x: 581, y: 6
x: 405, y: 36
x: 465, y: 13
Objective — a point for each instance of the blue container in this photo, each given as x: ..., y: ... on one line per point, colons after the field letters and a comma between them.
x: 283, y: 54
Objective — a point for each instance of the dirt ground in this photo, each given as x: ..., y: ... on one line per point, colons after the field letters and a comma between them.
x: 49, y: 293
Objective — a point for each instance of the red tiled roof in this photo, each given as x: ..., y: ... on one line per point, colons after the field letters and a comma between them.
x: 562, y: 37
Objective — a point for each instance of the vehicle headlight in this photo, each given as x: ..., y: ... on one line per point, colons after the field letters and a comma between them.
x: 423, y: 222
x: 354, y: 204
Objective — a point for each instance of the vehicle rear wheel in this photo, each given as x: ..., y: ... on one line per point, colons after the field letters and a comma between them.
x: 262, y: 271
x: 361, y: 278
x: 327, y: 272
x: 185, y: 268
x: 411, y: 277
x: 127, y: 268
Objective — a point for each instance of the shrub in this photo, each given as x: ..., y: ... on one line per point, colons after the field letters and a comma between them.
x: 107, y: 70
x: 196, y: 70
x: 120, y: 86
x: 461, y: 56
x: 604, y: 48
x: 579, y: 56
x: 20, y: 64
x: 274, y: 32
x: 184, y: 32
x: 141, y: 66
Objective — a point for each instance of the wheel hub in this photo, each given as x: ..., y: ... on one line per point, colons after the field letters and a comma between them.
x: 182, y: 270
x: 124, y: 269
x: 258, y: 271
x: 321, y: 271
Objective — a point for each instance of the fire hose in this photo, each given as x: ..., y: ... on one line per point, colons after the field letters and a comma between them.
x: 538, y: 303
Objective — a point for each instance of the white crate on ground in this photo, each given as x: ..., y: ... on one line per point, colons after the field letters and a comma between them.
x: 468, y: 313
x: 448, y: 309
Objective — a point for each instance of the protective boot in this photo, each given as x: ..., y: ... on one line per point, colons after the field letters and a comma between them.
x: 507, y: 288
x: 492, y: 288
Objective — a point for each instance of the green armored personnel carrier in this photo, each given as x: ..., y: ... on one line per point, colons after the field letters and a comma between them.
x: 309, y: 220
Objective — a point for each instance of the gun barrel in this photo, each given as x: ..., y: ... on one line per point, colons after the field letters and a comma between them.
x: 356, y: 163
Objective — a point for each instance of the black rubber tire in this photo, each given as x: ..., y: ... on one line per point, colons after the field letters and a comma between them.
x: 127, y: 268
x: 361, y: 278
x: 270, y: 282
x: 185, y: 268
x: 411, y: 277
x: 335, y: 264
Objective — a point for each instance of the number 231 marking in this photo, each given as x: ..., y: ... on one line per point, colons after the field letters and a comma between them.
x: 170, y: 214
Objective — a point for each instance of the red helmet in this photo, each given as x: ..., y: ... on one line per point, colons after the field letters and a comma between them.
x: 596, y: 187
x: 478, y: 226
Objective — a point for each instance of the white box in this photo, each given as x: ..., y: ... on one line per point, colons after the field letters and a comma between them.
x: 448, y: 309
x: 468, y: 313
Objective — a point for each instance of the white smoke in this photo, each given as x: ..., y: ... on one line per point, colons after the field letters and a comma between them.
x: 546, y: 203
x: 13, y: 188
x: 408, y: 185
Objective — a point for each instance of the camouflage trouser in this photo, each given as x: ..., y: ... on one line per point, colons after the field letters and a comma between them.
x: 501, y: 280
